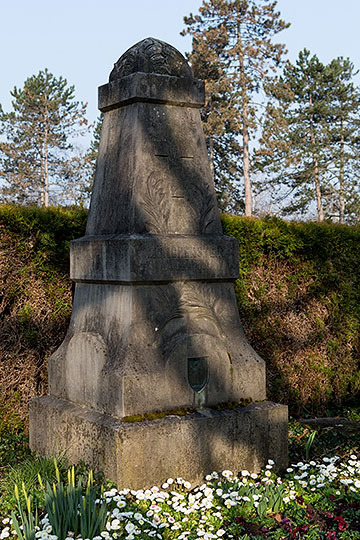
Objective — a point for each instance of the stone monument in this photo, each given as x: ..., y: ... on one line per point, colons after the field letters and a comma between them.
x: 155, y: 325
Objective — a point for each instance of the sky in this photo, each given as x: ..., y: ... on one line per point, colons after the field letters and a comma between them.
x: 82, y: 39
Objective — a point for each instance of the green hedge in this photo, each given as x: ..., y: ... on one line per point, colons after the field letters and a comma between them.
x: 298, y: 296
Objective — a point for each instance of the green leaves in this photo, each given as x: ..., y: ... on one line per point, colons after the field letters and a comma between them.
x: 29, y: 520
x: 75, y: 507
x: 232, y: 50
x: 36, y: 153
x: 310, y: 143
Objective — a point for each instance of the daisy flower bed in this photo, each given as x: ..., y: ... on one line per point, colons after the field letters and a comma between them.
x: 311, y: 500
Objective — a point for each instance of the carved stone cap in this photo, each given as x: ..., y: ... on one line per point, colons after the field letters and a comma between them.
x: 151, y: 56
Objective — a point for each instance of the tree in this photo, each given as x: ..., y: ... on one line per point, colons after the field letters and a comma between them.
x: 298, y: 120
x: 37, y: 140
x: 232, y: 50
x: 344, y: 136
x: 312, y: 112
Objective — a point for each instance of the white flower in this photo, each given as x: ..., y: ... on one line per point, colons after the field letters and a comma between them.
x: 220, y: 532
x: 187, y: 485
x: 267, y: 473
x: 289, y: 470
x: 227, y: 474
x: 245, y: 473
x: 121, y: 504
x: 286, y: 500
x: 138, y: 516
x: 129, y: 527
x: 253, y: 475
x: 165, y: 485
x: 115, y: 524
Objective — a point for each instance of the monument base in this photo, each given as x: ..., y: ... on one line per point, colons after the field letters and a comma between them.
x: 142, y: 454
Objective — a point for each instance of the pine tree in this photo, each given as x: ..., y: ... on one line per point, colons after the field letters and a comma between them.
x: 36, y: 140
x: 344, y: 136
x: 232, y: 50
x: 309, y: 122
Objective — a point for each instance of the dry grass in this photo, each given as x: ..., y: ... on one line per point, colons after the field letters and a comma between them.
x: 32, y: 324
x: 292, y: 330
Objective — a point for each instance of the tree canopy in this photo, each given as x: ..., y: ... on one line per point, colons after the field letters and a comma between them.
x: 233, y: 50
x: 38, y: 163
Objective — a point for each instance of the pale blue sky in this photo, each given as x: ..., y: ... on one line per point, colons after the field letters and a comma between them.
x: 81, y: 39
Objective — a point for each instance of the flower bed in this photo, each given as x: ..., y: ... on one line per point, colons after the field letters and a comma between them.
x: 312, y: 500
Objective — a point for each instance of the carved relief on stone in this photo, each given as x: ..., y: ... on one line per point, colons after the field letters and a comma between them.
x: 151, y: 56
x: 186, y: 308
x: 155, y: 205
x: 158, y: 203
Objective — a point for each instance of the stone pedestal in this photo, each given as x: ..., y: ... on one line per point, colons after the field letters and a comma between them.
x: 143, y: 454
x: 155, y: 324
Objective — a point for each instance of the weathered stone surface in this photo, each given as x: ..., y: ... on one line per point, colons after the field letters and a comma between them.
x: 152, y: 56
x: 149, y: 259
x: 155, y: 324
x: 127, y: 348
x: 147, y: 87
x: 142, y: 454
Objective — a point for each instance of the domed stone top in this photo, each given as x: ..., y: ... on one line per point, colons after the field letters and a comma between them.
x: 152, y: 56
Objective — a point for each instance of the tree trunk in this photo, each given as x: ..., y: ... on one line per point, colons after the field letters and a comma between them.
x: 46, y: 157
x: 320, y: 211
x: 342, y: 177
x: 246, y: 170
x: 245, y: 129
x: 319, y: 206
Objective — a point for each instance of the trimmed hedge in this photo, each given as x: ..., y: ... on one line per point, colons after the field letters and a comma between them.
x: 298, y: 296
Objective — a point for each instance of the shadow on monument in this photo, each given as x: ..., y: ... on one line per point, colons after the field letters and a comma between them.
x: 155, y: 325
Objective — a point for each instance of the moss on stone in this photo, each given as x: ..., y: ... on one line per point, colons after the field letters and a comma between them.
x: 156, y: 415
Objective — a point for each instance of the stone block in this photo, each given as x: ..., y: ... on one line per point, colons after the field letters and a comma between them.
x: 150, y: 87
x: 142, y: 454
x: 149, y: 259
